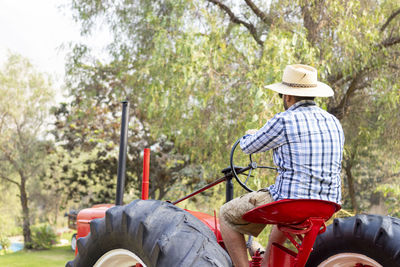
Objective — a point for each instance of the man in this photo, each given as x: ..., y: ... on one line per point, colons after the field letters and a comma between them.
x: 307, y: 144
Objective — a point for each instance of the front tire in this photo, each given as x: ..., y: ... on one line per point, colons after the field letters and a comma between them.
x: 365, y: 239
x: 154, y: 233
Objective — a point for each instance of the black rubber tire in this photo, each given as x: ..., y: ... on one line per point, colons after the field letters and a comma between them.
x: 377, y: 237
x: 159, y: 233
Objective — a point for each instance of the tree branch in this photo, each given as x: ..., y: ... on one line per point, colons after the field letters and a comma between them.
x: 258, y: 12
x: 391, y: 17
x: 9, y: 158
x: 388, y: 176
x: 236, y: 20
x: 341, y: 108
x: 2, y: 120
x: 9, y: 180
x: 313, y: 25
x: 390, y: 41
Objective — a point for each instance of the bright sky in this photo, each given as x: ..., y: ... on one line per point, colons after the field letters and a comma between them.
x: 38, y: 30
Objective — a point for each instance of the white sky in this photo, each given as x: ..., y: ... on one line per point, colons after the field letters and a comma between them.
x: 38, y: 30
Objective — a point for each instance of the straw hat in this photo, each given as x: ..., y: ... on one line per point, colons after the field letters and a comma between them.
x: 301, y: 80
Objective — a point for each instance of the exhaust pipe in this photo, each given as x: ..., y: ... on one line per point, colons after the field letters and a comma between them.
x: 122, y: 153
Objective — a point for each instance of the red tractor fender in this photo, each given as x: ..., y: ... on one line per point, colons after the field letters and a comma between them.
x: 85, y: 216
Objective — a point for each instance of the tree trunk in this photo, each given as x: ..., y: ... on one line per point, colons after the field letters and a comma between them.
x: 350, y: 183
x: 26, y: 227
x: 56, y: 212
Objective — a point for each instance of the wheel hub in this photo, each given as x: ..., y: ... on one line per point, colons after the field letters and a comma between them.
x: 119, y: 257
x: 349, y: 259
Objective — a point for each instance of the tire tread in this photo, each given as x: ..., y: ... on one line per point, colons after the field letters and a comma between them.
x: 160, y: 233
x: 375, y: 236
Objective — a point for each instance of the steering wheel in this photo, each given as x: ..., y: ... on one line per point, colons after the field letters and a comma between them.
x: 252, y: 165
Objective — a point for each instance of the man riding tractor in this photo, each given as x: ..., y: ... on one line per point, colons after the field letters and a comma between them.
x: 307, y: 144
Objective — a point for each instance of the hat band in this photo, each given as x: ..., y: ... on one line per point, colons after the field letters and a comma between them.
x: 299, y: 85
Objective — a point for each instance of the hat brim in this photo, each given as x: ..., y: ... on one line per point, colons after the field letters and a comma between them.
x: 321, y: 90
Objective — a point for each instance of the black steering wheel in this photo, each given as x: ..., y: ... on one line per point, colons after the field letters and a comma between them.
x: 252, y: 165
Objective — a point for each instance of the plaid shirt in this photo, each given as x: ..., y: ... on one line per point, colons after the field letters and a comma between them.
x: 307, y: 145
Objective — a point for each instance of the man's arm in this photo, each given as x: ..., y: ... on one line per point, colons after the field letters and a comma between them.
x: 270, y: 136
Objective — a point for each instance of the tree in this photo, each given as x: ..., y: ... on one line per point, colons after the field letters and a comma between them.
x: 196, y: 69
x: 25, y: 97
x: 178, y: 82
x: 355, y: 46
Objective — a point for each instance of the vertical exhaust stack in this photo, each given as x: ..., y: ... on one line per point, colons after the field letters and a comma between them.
x: 122, y: 153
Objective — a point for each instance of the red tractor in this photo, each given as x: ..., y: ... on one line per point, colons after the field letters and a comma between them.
x: 158, y: 233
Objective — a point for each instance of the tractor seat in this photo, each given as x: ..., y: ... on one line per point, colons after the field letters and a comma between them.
x: 301, y: 218
x: 291, y: 211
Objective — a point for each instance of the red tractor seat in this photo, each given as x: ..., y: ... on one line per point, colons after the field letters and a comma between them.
x: 291, y: 211
x: 303, y: 219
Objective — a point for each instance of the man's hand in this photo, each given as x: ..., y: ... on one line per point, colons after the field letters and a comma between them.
x: 251, y: 131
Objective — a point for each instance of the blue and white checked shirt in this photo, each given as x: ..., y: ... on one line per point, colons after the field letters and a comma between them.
x: 307, y: 145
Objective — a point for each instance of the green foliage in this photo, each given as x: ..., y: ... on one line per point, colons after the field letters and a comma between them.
x: 43, y: 237
x: 194, y: 76
x: 25, y: 97
x: 391, y: 194
x: 4, y: 242
x: 192, y: 100
x: 9, y: 211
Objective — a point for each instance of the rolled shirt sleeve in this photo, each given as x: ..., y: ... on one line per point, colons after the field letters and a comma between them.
x: 270, y: 136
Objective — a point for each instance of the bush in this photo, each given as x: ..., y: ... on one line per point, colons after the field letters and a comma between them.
x: 4, y: 243
x: 43, y: 237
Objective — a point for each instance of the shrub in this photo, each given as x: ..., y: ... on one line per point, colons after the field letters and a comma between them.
x: 43, y: 237
x: 4, y: 243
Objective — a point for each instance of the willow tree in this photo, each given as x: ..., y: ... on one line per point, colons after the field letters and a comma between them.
x: 195, y: 70
x: 25, y: 96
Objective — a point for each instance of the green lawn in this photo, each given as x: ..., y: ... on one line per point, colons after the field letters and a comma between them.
x: 57, y: 256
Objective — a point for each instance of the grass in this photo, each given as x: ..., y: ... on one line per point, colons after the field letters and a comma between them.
x: 57, y: 256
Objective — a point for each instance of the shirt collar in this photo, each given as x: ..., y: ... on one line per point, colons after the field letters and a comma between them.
x: 302, y: 103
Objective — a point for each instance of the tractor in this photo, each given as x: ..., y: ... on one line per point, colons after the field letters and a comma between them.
x: 158, y: 233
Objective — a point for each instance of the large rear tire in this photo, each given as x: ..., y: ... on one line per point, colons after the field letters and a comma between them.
x: 152, y: 232
x: 366, y: 239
